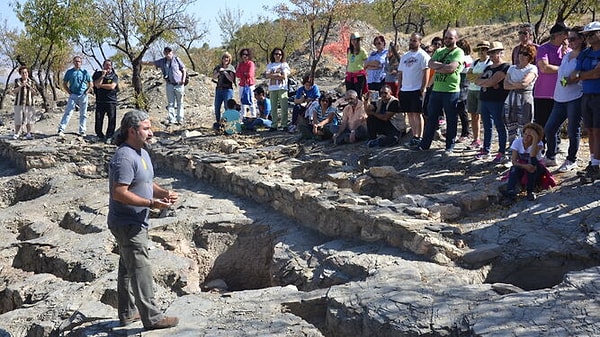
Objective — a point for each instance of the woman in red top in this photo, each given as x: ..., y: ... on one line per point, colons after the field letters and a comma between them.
x: 245, y: 72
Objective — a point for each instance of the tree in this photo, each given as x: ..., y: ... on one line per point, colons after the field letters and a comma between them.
x: 194, y: 32
x: 136, y: 24
x: 230, y: 22
x: 319, y: 15
x: 8, y: 40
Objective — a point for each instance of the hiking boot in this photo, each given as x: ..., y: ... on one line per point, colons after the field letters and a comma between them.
x: 166, y: 322
x: 592, y: 175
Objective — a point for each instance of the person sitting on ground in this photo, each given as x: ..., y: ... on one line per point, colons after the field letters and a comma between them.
x: 307, y: 95
x: 385, y: 119
x: 325, y: 120
x: 354, y: 121
x: 231, y: 119
x: 527, y: 168
x: 264, y: 108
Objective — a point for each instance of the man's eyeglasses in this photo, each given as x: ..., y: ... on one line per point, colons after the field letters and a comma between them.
x: 588, y: 34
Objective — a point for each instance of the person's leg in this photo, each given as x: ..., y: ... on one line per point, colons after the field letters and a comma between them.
x: 170, y: 103
x: 498, y: 117
x: 112, y: 119
x: 62, y: 126
x: 486, y: 117
x: 19, y: 117
x: 99, y: 119
x: 434, y: 110
x: 137, y: 274
x: 372, y: 127
x: 514, y: 177
x: 179, y: 93
x: 464, y: 119
x: 283, y: 104
x: 220, y: 95
x: 82, y: 101
x: 574, y: 128
x: 555, y: 120
x: 512, y: 107
x: 450, y: 103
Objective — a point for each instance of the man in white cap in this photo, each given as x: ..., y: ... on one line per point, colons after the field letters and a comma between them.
x: 588, y: 71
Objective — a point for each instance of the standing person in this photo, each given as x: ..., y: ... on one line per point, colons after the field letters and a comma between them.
x: 132, y: 194
x: 353, y: 127
x: 549, y: 56
x: 356, y: 75
x: 174, y: 72
x: 246, y: 73
x: 525, y: 32
x: 78, y: 84
x: 436, y: 43
x: 277, y: 73
x: 385, y: 120
x: 465, y: 133
x: 375, y: 65
x: 447, y: 63
x: 224, y: 77
x: 519, y: 81
x: 392, y: 61
x: 473, y: 102
x: 413, y: 75
x: 567, y: 105
x: 588, y: 71
x: 492, y: 98
x: 24, y: 90
x: 106, y: 83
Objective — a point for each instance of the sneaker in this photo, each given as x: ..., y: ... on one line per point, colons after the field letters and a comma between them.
x: 531, y: 196
x: 463, y: 139
x: 61, y: 134
x: 373, y: 142
x: 592, y: 175
x: 15, y: 136
x: 499, y: 158
x: 166, y: 322
x: 585, y: 170
x: 28, y: 136
x: 475, y: 145
x: 567, y: 166
x: 448, y: 152
x: 292, y: 128
x: 82, y: 134
x: 550, y: 162
x: 483, y: 155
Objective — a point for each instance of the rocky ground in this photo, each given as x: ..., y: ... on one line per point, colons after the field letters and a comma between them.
x: 276, y: 237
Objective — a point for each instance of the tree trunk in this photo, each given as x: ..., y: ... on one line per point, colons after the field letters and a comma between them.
x: 136, y: 78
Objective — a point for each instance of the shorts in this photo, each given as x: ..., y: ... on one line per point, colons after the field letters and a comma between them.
x: 590, y: 109
x: 473, y: 103
x: 411, y: 101
x: 24, y: 114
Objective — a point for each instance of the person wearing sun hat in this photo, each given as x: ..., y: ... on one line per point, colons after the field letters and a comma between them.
x: 473, y: 103
x: 356, y: 75
x: 587, y: 71
x: 548, y: 59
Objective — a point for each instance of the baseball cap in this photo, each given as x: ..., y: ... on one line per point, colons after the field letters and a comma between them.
x: 559, y: 27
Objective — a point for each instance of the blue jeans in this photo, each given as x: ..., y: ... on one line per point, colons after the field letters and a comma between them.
x: 492, y: 111
x: 82, y: 102
x: 515, y: 175
x: 570, y: 111
x: 221, y: 98
x: 440, y: 102
x: 175, y: 102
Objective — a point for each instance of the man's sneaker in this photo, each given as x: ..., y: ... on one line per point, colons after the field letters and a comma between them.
x: 292, y: 128
x: 61, y: 134
x: 531, y: 196
x: 584, y: 171
x: 82, y: 134
x: 475, y: 145
x: 483, y: 155
x: 550, y: 162
x: 15, y: 136
x: 499, y: 158
x: 28, y: 136
x: 567, y: 166
x: 592, y: 175
x: 448, y: 152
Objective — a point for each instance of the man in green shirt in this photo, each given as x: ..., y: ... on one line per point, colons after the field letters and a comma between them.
x: 447, y: 62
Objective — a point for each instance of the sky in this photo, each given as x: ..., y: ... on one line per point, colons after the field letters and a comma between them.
x: 205, y: 10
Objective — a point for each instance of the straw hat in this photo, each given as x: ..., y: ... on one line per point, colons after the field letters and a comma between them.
x: 482, y: 44
x: 496, y: 45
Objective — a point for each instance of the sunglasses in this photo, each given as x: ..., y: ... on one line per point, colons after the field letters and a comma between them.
x: 244, y: 54
x: 278, y: 54
x: 588, y: 34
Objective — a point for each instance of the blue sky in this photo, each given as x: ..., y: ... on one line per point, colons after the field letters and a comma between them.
x: 205, y: 10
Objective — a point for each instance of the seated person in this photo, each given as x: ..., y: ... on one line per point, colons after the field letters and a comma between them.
x: 324, y: 122
x: 353, y: 127
x: 306, y: 95
x: 527, y: 168
x: 385, y: 119
x: 231, y: 118
x: 264, y: 107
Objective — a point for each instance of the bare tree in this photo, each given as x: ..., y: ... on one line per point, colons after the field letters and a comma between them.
x: 194, y: 32
x: 230, y: 23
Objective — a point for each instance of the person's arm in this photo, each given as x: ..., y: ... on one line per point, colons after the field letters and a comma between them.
x: 122, y: 194
x: 108, y: 86
x: 591, y: 74
x: 426, y: 76
x: 166, y: 197
x: 546, y: 67
x: 492, y: 81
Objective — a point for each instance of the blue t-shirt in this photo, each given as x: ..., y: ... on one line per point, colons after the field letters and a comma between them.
x: 231, y: 120
x: 587, y: 60
x: 134, y: 168
x: 313, y: 93
x: 264, y: 107
x: 78, y: 80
